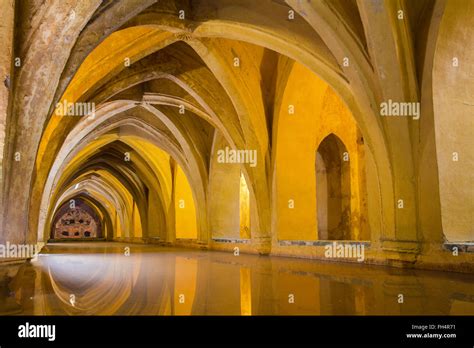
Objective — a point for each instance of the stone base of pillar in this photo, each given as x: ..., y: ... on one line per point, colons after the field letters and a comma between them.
x: 401, y: 253
x: 263, y: 245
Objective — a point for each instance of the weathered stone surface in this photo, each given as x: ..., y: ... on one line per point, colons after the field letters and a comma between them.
x: 169, y: 86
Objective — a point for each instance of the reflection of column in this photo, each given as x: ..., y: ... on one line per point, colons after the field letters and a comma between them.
x: 17, y: 290
x: 411, y: 290
x: 325, y: 297
x: 166, y: 289
x: 10, y: 279
x: 338, y: 298
x: 185, y: 285
x: 7, y: 8
x: 360, y: 300
x: 202, y: 286
x: 265, y: 286
x: 27, y: 292
x: 245, y: 291
x: 298, y: 294
x: 461, y: 305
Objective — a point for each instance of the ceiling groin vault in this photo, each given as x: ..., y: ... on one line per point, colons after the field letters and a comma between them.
x: 256, y: 125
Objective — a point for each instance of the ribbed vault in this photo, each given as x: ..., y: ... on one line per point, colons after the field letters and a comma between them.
x: 170, y: 84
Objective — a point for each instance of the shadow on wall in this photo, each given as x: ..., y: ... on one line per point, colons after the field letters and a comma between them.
x: 333, y: 190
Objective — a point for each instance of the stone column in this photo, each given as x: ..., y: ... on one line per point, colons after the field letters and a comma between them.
x: 7, y: 9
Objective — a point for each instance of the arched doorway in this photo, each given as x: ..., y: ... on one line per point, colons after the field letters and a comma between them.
x: 75, y: 219
x: 333, y: 190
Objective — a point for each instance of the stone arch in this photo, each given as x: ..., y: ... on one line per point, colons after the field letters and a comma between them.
x: 315, y: 54
x: 79, y: 221
x: 114, y: 199
x: 250, y: 35
x: 86, y: 129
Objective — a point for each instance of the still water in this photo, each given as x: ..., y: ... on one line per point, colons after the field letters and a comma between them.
x: 102, y: 279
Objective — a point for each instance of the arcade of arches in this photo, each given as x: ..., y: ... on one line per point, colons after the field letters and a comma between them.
x: 243, y: 124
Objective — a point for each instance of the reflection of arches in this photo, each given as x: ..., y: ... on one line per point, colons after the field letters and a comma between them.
x: 333, y: 189
x: 106, y: 286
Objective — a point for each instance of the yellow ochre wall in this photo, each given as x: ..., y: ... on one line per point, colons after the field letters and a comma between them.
x: 186, y: 227
x: 244, y: 208
x: 318, y: 112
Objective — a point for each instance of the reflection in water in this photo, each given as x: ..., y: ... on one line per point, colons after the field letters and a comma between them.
x: 100, y: 279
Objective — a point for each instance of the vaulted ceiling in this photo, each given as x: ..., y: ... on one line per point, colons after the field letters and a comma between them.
x: 167, y: 77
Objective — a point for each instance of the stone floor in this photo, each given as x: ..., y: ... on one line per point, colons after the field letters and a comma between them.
x: 103, y: 278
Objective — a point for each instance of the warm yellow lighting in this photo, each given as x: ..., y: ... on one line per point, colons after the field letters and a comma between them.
x: 245, y: 291
x: 318, y: 112
x: 185, y: 210
x: 185, y: 285
x: 244, y: 208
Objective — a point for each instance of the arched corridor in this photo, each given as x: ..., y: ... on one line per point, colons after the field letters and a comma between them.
x: 207, y: 133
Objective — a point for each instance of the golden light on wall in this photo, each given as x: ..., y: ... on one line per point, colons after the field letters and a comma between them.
x: 186, y: 227
x: 233, y: 155
x: 244, y: 208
